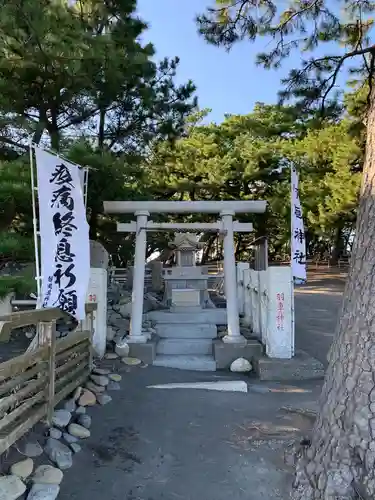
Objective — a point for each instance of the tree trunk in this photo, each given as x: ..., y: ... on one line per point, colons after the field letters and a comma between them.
x: 340, y: 462
x: 338, y: 244
x: 101, y: 128
x: 93, y: 224
x: 53, y: 130
x: 207, y: 248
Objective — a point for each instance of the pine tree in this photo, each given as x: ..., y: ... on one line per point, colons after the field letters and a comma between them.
x: 340, y: 463
x: 16, y: 241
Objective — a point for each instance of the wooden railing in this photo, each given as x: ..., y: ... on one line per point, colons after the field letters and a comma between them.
x: 32, y: 384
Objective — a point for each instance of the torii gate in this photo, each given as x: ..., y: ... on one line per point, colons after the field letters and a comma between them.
x: 226, y: 225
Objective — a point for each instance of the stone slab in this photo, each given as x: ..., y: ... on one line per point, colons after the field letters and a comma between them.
x: 145, y: 352
x: 99, y: 256
x: 300, y: 367
x: 185, y: 297
x: 213, y: 316
x: 186, y: 331
x: 225, y: 354
x: 184, y: 346
x: 184, y: 362
x: 186, y: 309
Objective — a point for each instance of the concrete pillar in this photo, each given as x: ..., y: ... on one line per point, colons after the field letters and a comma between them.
x: 6, y: 305
x: 97, y: 293
x: 230, y: 281
x: 279, y: 339
x: 241, y: 268
x: 135, y: 335
x: 157, y: 277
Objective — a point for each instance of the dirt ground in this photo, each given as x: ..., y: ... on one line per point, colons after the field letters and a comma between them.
x: 317, y: 306
x: 184, y: 444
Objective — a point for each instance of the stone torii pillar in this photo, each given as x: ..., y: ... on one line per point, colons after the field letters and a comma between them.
x: 136, y: 336
x: 226, y: 208
x: 230, y: 281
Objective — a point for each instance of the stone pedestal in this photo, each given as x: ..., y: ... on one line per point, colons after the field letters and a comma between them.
x: 177, y: 278
x: 145, y: 352
x: 185, y: 297
x: 225, y: 354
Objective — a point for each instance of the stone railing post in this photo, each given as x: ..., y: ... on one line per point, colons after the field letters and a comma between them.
x: 230, y: 281
x: 135, y: 335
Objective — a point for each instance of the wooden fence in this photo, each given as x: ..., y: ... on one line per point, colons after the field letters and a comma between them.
x: 32, y: 384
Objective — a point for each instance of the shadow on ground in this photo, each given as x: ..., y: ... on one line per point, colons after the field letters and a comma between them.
x: 317, y: 306
x: 154, y: 444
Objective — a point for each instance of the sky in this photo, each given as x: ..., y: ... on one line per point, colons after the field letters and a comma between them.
x: 226, y: 82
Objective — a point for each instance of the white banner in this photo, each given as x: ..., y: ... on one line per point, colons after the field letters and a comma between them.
x: 298, y: 243
x: 64, y: 235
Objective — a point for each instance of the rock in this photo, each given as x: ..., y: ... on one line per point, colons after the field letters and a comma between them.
x: 115, y: 377
x: 111, y: 355
x: 151, y: 303
x: 87, y: 398
x: 47, y: 474
x: 131, y: 361
x: 101, y: 380
x: 81, y: 410
x: 110, y: 333
x: 22, y: 469
x: 70, y: 405
x: 122, y: 349
x: 29, y: 334
x: 31, y: 449
x: 85, y: 421
x: 11, y: 487
x: 94, y: 388
x: 241, y: 365
x: 43, y: 492
x: 69, y: 438
x: 78, y: 431
x: 61, y: 418
x: 103, y: 399
x: 76, y: 448
x: 58, y: 453
x: 77, y: 393
x: 126, y: 298
x: 55, y: 433
x: 113, y: 386
x: 101, y: 371
x: 124, y: 309
x: 246, y: 332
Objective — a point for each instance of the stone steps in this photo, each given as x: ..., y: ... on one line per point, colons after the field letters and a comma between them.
x: 186, y: 330
x: 210, y: 316
x: 186, y: 362
x: 184, y: 346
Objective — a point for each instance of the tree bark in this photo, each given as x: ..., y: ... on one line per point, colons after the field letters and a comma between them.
x: 53, y: 130
x: 101, y: 128
x: 93, y: 224
x: 340, y: 461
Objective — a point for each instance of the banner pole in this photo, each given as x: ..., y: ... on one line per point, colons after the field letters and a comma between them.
x: 86, y: 185
x: 291, y: 265
x: 35, y: 226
